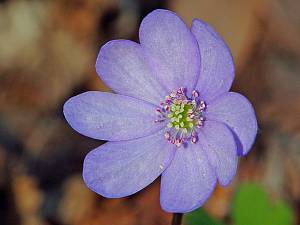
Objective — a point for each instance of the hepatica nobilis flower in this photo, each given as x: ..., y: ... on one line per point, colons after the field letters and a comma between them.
x: 171, y: 114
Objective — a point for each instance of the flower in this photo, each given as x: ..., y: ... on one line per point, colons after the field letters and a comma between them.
x: 171, y: 115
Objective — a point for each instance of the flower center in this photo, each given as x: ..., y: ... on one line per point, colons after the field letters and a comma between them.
x: 184, y: 115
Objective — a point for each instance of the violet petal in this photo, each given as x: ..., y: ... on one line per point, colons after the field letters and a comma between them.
x: 237, y: 112
x: 188, y: 181
x: 217, y: 68
x: 172, y: 48
x: 123, y: 66
x: 218, y: 142
x: 118, y: 169
x: 112, y: 117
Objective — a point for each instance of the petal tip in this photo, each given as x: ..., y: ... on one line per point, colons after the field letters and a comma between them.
x: 171, y: 209
x: 68, y: 110
x: 244, y: 148
x: 235, y: 110
x: 202, y: 24
x: 88, y: 175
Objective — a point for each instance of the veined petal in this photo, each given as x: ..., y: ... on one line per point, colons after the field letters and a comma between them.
x: 112, y: 117
x: 237, y: 112
x: 119, y: 169
x: 218, y: 142
x: 172, y: 49
x: 217, y: 68
x: 188, y: 181
x: 123, y: 66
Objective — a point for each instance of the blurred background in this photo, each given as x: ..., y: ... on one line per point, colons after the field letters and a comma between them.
x: 47, y: 54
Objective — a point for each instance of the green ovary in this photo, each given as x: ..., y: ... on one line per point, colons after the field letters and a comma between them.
x: 179, y: 117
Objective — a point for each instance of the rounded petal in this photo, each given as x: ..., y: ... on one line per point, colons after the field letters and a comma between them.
x: 112, y: 117
x: 172, y: 48
x: 237, y: 112
x: 218, y: 142
x: 188, y: 181
x: 217, y: 68
x: 122, y: 65
x: 119, y: 169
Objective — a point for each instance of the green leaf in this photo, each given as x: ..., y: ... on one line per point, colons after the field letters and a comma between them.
x: 281, y: 214
x: 252, y: 206
x: 200, y: 217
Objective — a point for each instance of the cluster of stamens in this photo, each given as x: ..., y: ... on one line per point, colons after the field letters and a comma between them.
x: 185, y: 116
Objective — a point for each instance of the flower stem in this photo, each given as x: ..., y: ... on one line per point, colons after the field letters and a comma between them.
x: 177, y: 218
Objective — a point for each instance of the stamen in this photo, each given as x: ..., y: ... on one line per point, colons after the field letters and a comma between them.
x: 195, y: 94
x: 167, y: 136
x: 178, y: 143
x: 194, y: 139
x: 185, y: 116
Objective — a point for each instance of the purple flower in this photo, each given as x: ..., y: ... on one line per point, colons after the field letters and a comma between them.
x: 172, y: 114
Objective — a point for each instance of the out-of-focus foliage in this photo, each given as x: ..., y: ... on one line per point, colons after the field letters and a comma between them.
x: 252, y: 206
x: 200, y: 217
